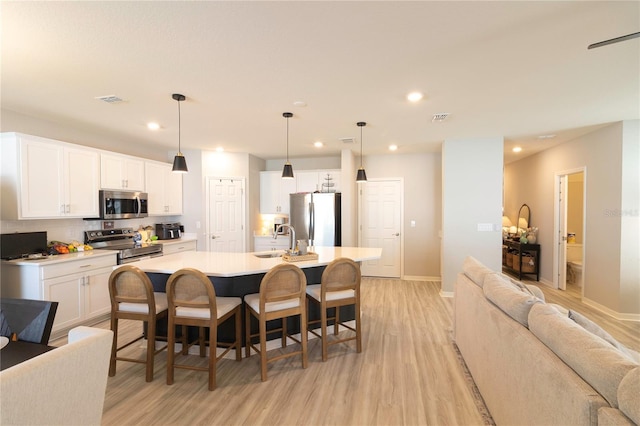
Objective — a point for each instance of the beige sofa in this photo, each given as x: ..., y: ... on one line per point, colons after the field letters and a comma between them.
x: 533, y: 363
x: 65, y: 386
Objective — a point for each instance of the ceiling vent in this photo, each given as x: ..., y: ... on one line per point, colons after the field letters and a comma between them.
x: 348, y: 140
x: 110, y: 99
x: 441, y: 116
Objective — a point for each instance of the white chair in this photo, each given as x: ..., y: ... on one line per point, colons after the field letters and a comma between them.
x: 340, y: 286
x: 132, y: 298
x: 282, y: 294
x: 193, y: 302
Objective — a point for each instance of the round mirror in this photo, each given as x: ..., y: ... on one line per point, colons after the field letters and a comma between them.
x: 524, y: 218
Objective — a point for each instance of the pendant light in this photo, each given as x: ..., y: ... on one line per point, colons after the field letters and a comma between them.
x: 287, y: 171
x: 362, y: 175
x: 179, y: 162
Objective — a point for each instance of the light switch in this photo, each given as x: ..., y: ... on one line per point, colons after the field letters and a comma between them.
x: 485, y: 227
x: 413, y: 223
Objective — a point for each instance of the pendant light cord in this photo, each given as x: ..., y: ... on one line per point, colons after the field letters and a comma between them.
x: 179, y: 131
x: 287, y: 139
x: 360, y: 146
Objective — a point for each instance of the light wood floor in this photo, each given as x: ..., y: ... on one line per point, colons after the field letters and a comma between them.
x: 408, y: 374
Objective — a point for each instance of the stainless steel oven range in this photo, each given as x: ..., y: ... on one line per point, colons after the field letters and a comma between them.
x: 124, y: 242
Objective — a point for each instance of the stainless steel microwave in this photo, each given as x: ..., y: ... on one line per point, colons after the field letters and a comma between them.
x: 123, y: 204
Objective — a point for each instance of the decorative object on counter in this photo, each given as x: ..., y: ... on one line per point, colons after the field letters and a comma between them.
x: 287, y: 171
x: 328, y: 185
x: 571, y: 238
x: 532, y: 235
x: 287, y: 257
x: 362, y: 175
x: 506, y: 225
x: 179, y: 162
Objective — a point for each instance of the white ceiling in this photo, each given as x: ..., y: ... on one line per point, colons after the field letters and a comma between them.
x: 516, y: 69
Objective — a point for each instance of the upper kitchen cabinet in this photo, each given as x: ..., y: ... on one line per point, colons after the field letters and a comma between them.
x: 44, y: 178
x: 274, y: 192
x: 164, y: 188
x: 121, y: 172
x: 318, y: 180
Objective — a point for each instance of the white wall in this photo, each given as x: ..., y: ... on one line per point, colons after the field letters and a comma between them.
x: 471, y: 195
x: 610, y: 156
x: 422, y: 204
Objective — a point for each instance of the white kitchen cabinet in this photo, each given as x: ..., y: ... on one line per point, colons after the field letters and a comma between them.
x: 177, y: 246
x: 121, y: 172
x: 274, y: 192
x: 164, y: 188
x: 267, y: 243
x: 80, y: 285
x: 44, y: 178
x: 307, y: 181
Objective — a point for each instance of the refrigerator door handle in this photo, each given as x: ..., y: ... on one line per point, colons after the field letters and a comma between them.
x: 311, y: 223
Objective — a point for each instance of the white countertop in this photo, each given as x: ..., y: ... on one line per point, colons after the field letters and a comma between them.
x: 183, y: 239
x: 238, y: 264
x: 59, y: 258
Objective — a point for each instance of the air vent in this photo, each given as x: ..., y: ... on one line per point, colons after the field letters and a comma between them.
x: 110, y: 99
x: 441, y: 116
x: 348, y: 140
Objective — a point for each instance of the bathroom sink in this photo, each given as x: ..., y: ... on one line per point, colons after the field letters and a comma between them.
x: 269, y: 254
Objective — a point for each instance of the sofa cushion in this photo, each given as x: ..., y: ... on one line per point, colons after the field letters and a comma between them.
x: 629, y: 395
x: 510, y: 299
x: 596, y: 361
x: 594, y: 328
x: 475, y: 270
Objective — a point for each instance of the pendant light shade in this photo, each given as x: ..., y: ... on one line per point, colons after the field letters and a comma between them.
x: 179, y: 162
x: 362, y: 175
x: 287, y: 171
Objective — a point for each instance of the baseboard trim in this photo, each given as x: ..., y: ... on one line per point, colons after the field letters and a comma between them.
x: 420, y: 278
x: 615, y: 314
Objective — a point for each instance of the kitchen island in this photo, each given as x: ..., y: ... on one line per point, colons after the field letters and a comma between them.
x: 239, y: 274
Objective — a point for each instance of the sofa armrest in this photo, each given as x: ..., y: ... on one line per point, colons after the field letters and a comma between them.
x: 64, y: 386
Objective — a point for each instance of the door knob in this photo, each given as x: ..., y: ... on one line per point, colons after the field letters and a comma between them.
x: 397, y: 234
x: 213, y: 237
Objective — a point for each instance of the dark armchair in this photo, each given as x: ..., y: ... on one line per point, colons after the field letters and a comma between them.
x: 27, y: 320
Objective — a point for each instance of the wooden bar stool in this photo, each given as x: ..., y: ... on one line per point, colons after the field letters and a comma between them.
x: 282, y: 294
x: 193, y: 302
x: 340, y: 286
x: 132, y: 298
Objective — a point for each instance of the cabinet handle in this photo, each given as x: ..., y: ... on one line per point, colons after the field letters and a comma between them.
x: 85, y: 266
x: 68, y: 209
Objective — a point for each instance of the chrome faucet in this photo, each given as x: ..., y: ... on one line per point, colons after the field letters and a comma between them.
x: 292, y: 236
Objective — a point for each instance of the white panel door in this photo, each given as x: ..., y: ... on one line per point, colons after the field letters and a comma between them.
x: 380, y: 207
x: 225, y: 225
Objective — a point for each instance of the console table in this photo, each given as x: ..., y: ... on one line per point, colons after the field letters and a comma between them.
x: 528, y: 250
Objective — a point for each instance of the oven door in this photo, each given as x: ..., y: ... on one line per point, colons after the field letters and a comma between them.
x: 123, y: 204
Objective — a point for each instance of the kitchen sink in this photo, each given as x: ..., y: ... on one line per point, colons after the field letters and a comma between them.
x: 269, y: 254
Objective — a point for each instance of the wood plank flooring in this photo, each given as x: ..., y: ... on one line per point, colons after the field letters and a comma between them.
x: 409, y: 373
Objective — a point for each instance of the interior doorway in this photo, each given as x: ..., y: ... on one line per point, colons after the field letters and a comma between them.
x: 225, y: 215
x: 570, y: 238
x: 380, y: 225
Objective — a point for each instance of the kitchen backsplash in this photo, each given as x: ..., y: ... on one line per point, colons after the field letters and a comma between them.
x: 67, y: 230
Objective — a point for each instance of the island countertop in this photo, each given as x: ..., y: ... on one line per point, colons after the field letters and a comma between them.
x: 215, y: 264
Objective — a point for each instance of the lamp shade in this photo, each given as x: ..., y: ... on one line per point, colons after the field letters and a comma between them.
x: 179, y: 164
x: 361, y: 176
x: 506, y: 222
x: 287, y: 171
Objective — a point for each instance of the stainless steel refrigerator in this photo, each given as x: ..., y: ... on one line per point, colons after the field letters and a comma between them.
x: 316, y: 217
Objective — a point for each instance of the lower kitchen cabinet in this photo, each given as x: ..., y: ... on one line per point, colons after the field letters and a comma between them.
x: 176, y: 246
x: 80, y: 285
x: 267, y: 243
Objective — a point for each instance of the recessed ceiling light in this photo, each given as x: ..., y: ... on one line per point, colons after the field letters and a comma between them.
x: 393, y: 147
x: 546, y: 136
x: 517, y: 149
x: 153, y: 126
x: 318, y: 144
x: 300, y: 103
x: 415, y: 96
